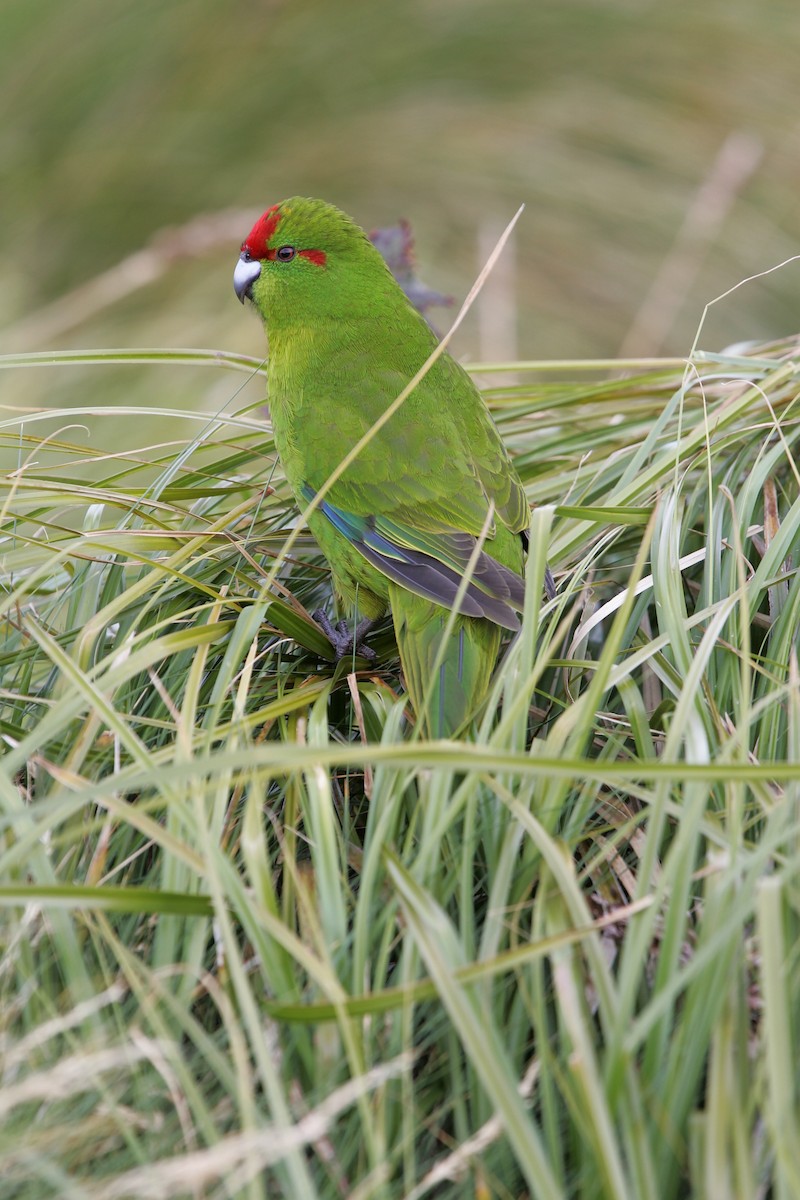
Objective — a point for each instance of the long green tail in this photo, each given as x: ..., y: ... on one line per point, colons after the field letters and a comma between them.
x: 446, y: 696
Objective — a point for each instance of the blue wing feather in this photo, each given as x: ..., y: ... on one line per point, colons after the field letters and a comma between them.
x: 432, y: 565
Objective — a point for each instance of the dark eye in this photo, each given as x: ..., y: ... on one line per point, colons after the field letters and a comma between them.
x: 285, y: 253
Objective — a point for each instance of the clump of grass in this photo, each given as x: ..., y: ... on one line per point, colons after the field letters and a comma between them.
x: 257, y: 941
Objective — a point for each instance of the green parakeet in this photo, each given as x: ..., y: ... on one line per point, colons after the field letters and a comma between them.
x: 400, y: 526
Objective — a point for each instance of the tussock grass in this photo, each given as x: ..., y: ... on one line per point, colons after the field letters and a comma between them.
x: 260, y: 941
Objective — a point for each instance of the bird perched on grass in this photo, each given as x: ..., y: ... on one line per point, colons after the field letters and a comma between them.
x: 401, y: 526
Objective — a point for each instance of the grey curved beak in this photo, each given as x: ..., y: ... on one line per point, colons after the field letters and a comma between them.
x: 245, y: 273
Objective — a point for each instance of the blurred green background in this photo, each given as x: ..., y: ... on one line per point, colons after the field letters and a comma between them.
x: 656, y: 148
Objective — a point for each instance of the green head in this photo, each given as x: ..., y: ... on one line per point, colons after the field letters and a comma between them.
x: 304, y: 260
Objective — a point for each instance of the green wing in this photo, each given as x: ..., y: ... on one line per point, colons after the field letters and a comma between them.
x: 436, y: 465
x: 433, y: 565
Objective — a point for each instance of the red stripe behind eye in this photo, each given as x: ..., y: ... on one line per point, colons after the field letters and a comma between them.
x: 257, y: 241
x: 315, y: 256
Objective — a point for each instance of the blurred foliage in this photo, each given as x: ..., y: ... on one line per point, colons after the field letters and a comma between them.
x: 606, y: 120
x: 656, y: 149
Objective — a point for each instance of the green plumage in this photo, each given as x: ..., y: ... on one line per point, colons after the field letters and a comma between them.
x: 399, y: 528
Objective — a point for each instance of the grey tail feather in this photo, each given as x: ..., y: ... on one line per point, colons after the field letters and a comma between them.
x: 434, y: 581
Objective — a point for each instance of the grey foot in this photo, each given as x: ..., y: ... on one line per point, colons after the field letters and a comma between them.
x: 343, y: 638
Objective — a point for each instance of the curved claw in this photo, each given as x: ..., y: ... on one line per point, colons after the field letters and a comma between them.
x: 345, y: 641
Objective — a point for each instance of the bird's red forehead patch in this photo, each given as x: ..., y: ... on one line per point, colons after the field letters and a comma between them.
x: 257, y: 240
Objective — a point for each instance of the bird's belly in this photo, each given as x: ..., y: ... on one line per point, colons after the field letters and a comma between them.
x: 356, y: 582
